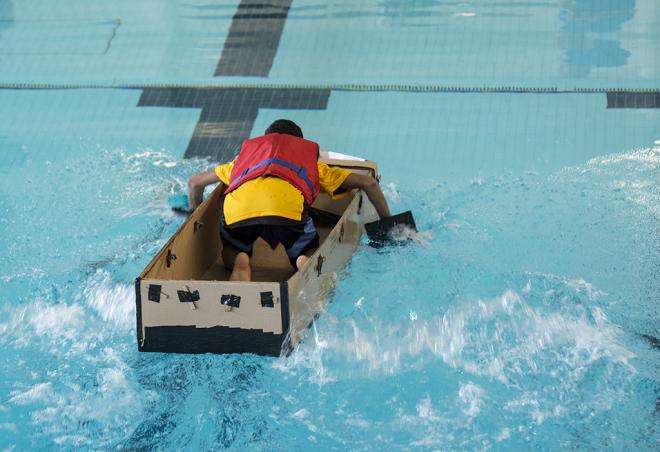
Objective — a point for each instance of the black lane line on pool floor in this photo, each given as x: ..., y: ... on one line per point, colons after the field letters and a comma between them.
x: 253, y: 39
x: 228, y: 114
x: 624, y: 99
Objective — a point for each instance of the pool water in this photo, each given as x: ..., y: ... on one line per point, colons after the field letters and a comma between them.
x: 523, y: 315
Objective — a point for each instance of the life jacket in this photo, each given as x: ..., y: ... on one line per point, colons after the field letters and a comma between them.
x: 290, y: 158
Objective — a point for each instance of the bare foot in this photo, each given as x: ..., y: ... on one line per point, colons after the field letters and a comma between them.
x: 241, y: 271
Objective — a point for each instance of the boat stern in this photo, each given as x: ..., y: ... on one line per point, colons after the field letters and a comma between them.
x: 212, y: 316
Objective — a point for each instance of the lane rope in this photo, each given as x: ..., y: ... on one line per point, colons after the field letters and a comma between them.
x: 410, y: 88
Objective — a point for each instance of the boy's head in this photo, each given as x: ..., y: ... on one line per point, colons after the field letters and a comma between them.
x: 285, y: 126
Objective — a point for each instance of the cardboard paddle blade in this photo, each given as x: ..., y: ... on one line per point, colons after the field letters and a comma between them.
x: 179, y: 203
x: 380, y: 232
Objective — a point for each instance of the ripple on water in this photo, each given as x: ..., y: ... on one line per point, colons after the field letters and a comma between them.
x: 511, y: 321
x: 516, y: 323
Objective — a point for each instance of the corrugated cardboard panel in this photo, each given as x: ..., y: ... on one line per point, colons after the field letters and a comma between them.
x: 208, y: 310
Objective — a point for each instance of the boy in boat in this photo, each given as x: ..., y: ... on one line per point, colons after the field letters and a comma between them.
x: 269, y: 188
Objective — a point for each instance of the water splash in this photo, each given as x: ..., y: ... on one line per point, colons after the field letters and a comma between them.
x: 114, y: 303
x: 514, y: 325
x: 75, y: 381
x: 510, y: 321
x: 503, y: 338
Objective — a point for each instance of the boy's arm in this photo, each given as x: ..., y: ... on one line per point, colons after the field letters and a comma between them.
x: 371, y: 188
x: 196, y: 185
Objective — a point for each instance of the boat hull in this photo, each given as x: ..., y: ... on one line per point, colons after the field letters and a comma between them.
x: 185, y: 304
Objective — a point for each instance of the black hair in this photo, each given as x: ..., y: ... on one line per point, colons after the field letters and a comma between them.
x: 285, y: 126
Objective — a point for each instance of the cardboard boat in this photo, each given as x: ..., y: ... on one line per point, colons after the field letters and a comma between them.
x: 185, y: 303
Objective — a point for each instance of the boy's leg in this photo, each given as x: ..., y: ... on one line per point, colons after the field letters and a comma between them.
x: 237, y: 246
x: 299, y: 241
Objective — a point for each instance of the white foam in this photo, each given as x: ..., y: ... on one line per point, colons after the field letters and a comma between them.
x: 642, y: 155
x: 577, y: 339
x: 37, y: 393
x: 165, y: 163
x: 66, y: 329
x: 504, y: 434
x: 471, y: 397
x: 402, y: 233
x: 413, y: 315
x: 9, y: 426
x: 358, y: 422
x: 581, y: 285
x: 631, y: 175
x: 428, y: 423
x: 425, y: 410
x: 57, y: 323
x: 114, y: 402
x: 33, y: 273
x: 312, y: 358
x: 391, y: 192
x: 529, y: 403
x: 300, y: 414
x: 76, y: 440
x: 115, y: 303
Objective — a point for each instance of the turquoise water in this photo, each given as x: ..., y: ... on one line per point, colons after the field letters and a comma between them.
x: 523, y: 316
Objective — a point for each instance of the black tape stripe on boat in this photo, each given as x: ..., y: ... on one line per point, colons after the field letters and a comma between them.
x: 186, y: 296
x: 284, y: 310
x: 230, y: 300
x: 138, y: 312
x: 319, y: 265
x: 218, y: 339
x: 154, y: 293
x: 267, y: 299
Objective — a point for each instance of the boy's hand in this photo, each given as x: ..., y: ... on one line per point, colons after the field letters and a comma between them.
x: 372, y: 189
x: 196, y: 185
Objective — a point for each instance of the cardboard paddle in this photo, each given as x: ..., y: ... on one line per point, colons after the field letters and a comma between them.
x: 179, y: 203
x: 380, y: 232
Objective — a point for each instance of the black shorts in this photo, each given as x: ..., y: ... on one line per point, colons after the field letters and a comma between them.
x: 296, y: 239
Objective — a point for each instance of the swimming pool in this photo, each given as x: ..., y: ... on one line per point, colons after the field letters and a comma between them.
x: 524, y: 136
